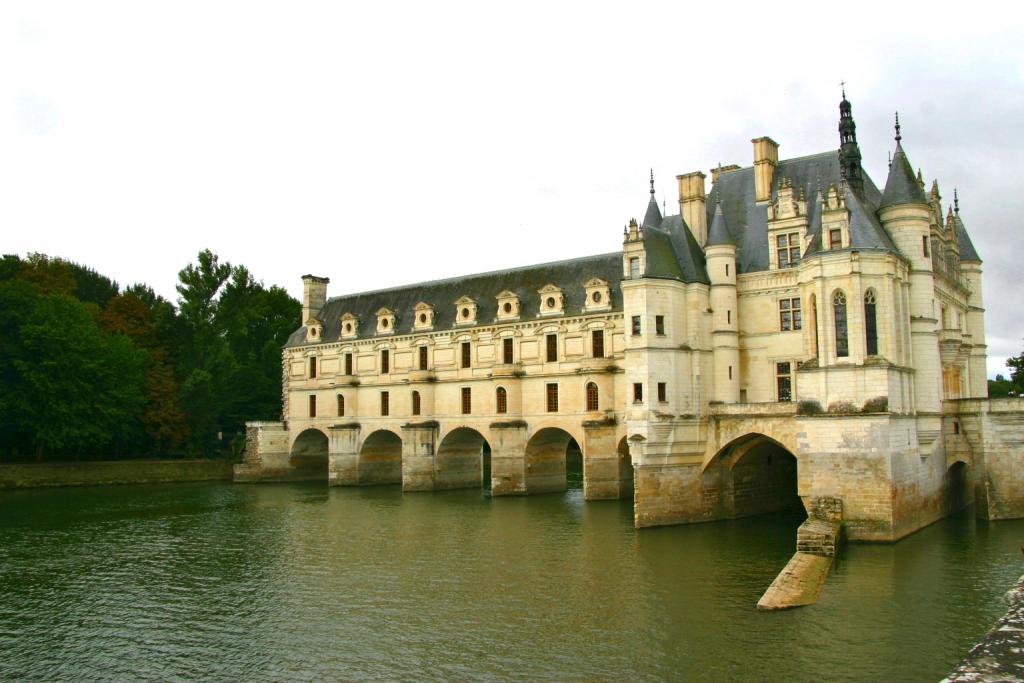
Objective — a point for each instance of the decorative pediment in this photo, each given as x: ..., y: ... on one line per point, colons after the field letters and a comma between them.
x: 508, y: 305
x: 552, y: 301
x: 349, y: 326
x: 385, y: 320
x: 424, y: 316
x: 599, y: 296
x: 465, y: 311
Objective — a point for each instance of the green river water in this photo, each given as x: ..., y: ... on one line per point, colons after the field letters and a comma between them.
x: 301, y: 582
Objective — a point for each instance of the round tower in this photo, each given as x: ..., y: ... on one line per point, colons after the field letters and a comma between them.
x: 720, y: 253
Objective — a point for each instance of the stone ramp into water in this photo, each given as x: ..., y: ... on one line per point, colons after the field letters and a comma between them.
x: 798, y: 584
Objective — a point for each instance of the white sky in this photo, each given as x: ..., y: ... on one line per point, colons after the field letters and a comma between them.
x: 385, y: 143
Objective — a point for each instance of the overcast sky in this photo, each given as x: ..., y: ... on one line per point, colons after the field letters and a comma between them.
x: 385, y: 143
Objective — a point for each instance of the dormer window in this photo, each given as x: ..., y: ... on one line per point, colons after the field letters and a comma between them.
x: 508, y: 305
x: 424, y: 316
x: 349, y: 326
x: 385, y: 321
x: 598, y: 295
x: 314, y: 329
x: 465, y: 311
x: 551, y: 300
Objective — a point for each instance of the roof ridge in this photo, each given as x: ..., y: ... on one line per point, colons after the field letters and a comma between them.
x: 782, y: 161
x: 457, y: 278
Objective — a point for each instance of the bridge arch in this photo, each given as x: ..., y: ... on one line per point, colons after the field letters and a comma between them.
x: 380, y: 458
x: 959, y: 486
x: 307, y: 457
x: 625, y: 469
x: 554, y: 461
x: 463, y: 460
x: 751, y: 475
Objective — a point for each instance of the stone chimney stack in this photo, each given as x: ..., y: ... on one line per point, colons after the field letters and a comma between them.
x: 766, y: 158
x: 314, y: 295
x: 693, y: 204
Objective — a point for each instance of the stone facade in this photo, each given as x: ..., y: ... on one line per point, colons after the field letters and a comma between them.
x: 793, y: 334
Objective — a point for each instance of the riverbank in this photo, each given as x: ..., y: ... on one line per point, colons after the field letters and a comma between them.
x: 1000, y: 655
x: 46, y: 474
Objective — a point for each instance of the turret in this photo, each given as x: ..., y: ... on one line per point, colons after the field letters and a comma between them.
x: 849, y: 151
x: 970, y: 273
x: 720, y: 253
x: 314, y: 296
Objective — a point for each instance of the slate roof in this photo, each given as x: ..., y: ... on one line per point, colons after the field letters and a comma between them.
x: 718, y: 233
x: 673, y: 252
x: 901, y: 187
x: 967, y: 250
x: 570, y: 276
x: 746, y: 221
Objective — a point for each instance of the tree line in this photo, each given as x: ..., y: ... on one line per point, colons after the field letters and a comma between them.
x: 89, y: 370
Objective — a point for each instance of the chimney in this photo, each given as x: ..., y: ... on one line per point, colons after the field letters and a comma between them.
x: 314, y: 295
x: 766, y: 157
x: 715, y: 172
x: 693, y: 204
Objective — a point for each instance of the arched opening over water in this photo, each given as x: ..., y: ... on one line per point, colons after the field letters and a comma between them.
x: 625, y: 469
x: 463, y: 460
x: 753, y: 475
x: 959, y: 492
x: 308, y: 458
x: 380, y: 458
x: 554, y: 461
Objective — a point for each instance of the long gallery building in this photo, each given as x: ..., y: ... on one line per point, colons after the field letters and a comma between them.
x: 796, y: 333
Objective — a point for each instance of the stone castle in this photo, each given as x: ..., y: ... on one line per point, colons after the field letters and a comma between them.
x: 794, y: 334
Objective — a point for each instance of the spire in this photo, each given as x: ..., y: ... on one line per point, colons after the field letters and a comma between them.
x: 652, y: 181
x: 956, y: 202
x: 963, y: 240
x: 849, y: 151
x: 719, y: 232
x: 898, y: 136
x: 901, y: 187
x: 652, y: 219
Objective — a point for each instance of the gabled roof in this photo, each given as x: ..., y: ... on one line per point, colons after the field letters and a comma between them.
x: 967, y: 250
x: 901, y: 187
x: 570, y: 275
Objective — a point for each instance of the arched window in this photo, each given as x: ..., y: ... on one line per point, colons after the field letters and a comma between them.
x: 501, y: 400
x: 870, y: 323
x: 839, y: 312
x: 415, y: 403
x: 591, y: 396
x: 341, y: 406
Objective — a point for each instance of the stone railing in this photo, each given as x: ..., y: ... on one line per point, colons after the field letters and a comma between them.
x: 781, y: 408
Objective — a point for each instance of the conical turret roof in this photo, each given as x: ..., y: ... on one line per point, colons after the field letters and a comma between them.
x: 967, y: 250
x: 652, y: 219
x: 719, y: 232
x: 901, y: 187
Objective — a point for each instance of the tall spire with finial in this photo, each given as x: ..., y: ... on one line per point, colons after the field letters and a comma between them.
x: 849, y: 150
x: 652, y: 181
x: 653, y: 217
x: 898, y: 136
x: 901, y: 187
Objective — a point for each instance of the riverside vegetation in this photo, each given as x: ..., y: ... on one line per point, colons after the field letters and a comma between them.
x: 90, y: 370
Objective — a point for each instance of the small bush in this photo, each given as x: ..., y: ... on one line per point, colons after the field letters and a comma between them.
x: 878, y: 404
x: 809, y: 407
x: 842, y: 408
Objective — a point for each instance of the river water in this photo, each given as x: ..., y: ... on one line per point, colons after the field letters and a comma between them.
x: 302, y: 582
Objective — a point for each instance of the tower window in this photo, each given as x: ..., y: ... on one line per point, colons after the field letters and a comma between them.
x: 634, y: 268
x: 835, y: 238
x: 727, y: 270
x: 788, y: 249
x: 552, y: 347
x: 636, y: 325
x: 790, y: 315
x: 506, y: 350
x: 552, y: 395
x: 730, y: 372
x: 341, y: 406
x: 591, y: 396
x: 638, y: 392
x: 348, y: 363
x: 312, y: 406
x: 784, y: 381
x: 385, y: 362
x: 870, y: 324
x: 467, y: 400
x: 662, y: 392
x: 423, y: 357
x: 839, y: 312
x: 597, y: 343
x: 312, y: 368
x: 659, y: 325
x: 385, y: 403
x: 924, y: 245
x: 501, y: 400
x: 465, y: 354
x: 415, y: 403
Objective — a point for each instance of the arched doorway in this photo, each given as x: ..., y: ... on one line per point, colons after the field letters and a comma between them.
x: 958, y: 487
x: 753, y: 475
x: 380, y: 458
x: 308, y: 458
x: 554, y: 461
x: 463, y: 460
x: 625, y: 469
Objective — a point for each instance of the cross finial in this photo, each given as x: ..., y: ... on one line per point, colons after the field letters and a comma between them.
x: 956, y: 202
x: 652, y: 181
x: 898, y: 136
x: 842, y: 84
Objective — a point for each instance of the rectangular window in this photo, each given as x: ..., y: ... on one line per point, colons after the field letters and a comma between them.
x: 502, y: 400
x: 789, y: 315
x: 662, y: 392
x: 385, y: 403
x: 659, y: 325
x: 415, y: 403
x: 636, y: 325
x: 634, y: 268
x: 788, y: 249
x: 385, y: 362
x: 423, y: 357
x: 341, y: 406
x: 784, y: 381
x: 506, y: 350
x: 348, y: 363
x: 924, y: 245
x: 552, y: 392
x: 638, y: 392
x: 467, y: 400
x: 728, y: 317
x: 597, y: 343
x: 730, y: 372
x: 312, y: 406
x: 552, y: 347
x: 465, y: 354
x: 835, y: 239
x: 312, y: 368
x: 727, y: 270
